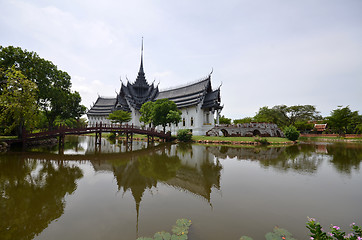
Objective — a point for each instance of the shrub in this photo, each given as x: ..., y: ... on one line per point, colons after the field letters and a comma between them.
x: 291, y: 133
x: 184, y: 135
x: 262, y: 141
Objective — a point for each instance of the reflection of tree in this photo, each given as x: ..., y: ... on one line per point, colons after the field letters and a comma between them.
x: 32, y: 195
x: 71, y: 143
x: 345, y: 157
x: 298, y: 158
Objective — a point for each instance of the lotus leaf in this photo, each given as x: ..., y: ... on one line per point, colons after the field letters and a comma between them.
x: 176, y: 237
x: 279, y: 233
x: 183, y: 222
x: 162, y: 236
x: 180, y: 230
x: 246, y: 238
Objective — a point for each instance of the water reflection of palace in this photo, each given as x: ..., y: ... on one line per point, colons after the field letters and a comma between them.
x: 188, y: 168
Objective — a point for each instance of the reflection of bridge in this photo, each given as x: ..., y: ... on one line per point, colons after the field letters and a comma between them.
x: 129, y: 130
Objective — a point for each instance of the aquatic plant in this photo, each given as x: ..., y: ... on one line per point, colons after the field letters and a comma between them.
x: 335, y: 232
x: 180, y: 231
x: 277, y: 234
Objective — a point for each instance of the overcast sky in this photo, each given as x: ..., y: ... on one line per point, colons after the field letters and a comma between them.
x: 264, y: 53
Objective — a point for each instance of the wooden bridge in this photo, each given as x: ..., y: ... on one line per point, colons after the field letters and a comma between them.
x: 98, y: 129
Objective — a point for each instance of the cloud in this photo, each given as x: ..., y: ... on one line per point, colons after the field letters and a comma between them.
x: 265, y: 53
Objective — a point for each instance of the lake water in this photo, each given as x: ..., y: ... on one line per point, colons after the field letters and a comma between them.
x: 115, y: 193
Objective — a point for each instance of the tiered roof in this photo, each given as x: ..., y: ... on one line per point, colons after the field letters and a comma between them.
x: 103, y: 106
x: 193, y: 94
x: 137, y: 93
x: 133, y: 95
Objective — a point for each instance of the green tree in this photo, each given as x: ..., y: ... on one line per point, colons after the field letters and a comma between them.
x: 120, y: 116
x: 272, y: 115
x: 243, y: 120
x: 224, y: 120
x: 54, y: 97
x: 304, y: 125
x: 17, y: 102
x: 301, y: 113
x: 162, y: 113
x: 146, y: 112
x: 174, y: 116
x: 70, y: 122
x: 283, y: 115
x: 343, y: 120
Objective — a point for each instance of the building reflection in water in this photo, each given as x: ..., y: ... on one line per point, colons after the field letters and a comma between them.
x: 33, y: 185
x: 188, y: 168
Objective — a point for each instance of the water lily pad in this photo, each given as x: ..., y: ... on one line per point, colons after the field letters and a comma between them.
x: 183, y: 222
x: 177, y: 237
x: 180, y: 230
x: 279, y: 233
x: 162, y: 236
x: 246, y: 238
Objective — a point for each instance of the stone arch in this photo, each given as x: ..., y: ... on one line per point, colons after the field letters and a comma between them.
x: 224, y: 132
x: 256, y: 132
x: 278, y: 134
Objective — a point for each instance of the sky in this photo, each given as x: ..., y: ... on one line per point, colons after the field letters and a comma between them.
x: 260, y: 52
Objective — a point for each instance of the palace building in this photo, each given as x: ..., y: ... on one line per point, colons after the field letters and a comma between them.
x: 199, y: 103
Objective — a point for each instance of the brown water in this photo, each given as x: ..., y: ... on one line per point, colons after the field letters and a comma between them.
x: 113, y: 193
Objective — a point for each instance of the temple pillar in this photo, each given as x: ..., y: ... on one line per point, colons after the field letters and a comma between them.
x: 217, y: 117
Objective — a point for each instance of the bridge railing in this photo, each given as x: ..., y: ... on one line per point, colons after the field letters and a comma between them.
x: 98, y: 127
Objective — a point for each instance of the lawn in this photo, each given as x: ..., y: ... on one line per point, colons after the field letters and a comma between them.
x: 7, y: 137
x: 238, y: 139
x: 333, y: 139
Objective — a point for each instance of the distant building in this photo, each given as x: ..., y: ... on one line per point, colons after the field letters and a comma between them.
x: 320, y: 128
x: 199, y: 103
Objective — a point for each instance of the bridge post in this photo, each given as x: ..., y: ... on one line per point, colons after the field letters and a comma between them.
x: 61, y: 138
x: 98, y: 134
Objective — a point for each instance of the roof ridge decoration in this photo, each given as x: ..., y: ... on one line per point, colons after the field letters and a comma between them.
x: 186, y: 84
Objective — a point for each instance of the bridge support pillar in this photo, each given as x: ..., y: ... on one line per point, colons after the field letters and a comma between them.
x: 98, y: 138
x: 129, y: 137
x: 61, y: 143
x: 129, y: 141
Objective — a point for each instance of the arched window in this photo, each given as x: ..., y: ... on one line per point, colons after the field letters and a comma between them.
x: 192, y: 121
x: 184, y: 122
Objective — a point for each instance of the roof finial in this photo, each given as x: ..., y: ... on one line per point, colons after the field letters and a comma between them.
x: 141, y: 67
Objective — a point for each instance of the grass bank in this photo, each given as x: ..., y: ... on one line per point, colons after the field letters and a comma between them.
x: 239, y: 140
x: 331, y: 139
x: 8, y: 137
